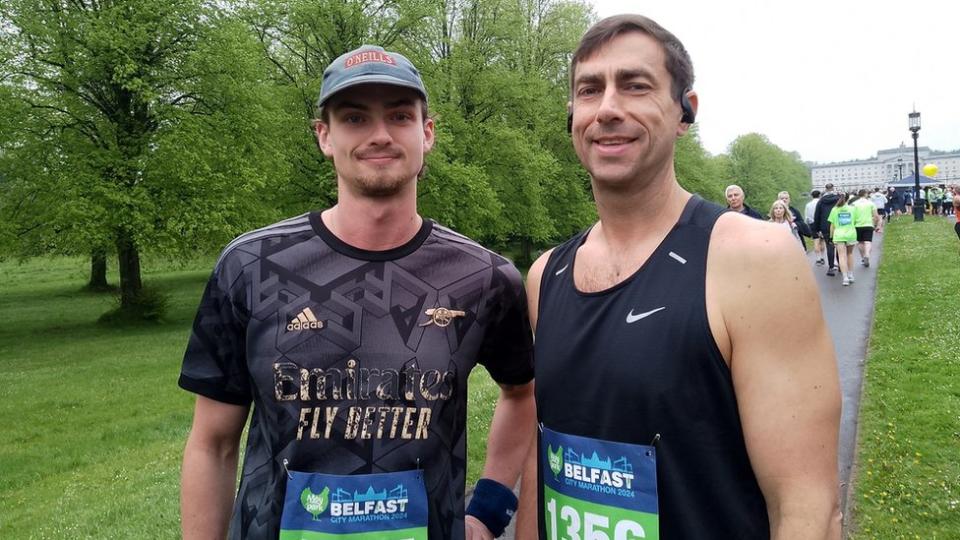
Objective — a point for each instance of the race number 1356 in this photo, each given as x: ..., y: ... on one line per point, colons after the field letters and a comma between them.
x: 577, y: 525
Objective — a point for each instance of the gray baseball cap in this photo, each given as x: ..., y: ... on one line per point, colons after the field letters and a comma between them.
x: 369, y: 64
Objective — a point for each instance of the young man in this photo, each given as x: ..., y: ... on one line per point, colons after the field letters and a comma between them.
x: 675, y: 392
x: 735, y: 202
x: 352, y: 332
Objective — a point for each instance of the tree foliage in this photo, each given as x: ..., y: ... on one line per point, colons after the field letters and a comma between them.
x: 173, y: 125
x: 142, y: 124
x: 763, y: 169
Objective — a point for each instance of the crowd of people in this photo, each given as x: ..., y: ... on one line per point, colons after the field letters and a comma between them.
x: 830, y: 219
x: 935, y: 200
x: 838, y: 223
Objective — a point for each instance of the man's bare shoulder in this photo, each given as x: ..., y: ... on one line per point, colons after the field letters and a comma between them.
x: 536, y: 269
x: 534, y: 276
x: 744, y: 241
x: 756, y: 268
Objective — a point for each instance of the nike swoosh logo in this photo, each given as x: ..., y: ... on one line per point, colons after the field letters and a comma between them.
x: 560, y: 271
x: 631, y: 318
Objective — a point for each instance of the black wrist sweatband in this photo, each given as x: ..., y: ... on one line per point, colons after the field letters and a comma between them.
x: 493, y: 504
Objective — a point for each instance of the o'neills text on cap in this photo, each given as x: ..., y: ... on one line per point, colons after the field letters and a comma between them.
x: 369, y: 56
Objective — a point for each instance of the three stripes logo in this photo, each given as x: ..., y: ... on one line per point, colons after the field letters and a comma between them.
x: 305, y: 320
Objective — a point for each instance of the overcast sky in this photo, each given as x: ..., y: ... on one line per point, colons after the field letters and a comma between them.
x: 832, y: 80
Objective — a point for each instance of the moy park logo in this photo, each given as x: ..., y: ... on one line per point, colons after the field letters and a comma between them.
x: 593, y: 473
x: 347, y: 507
x: 315, y: 503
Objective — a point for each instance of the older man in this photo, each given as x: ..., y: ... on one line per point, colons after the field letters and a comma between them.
x: 735, y: 202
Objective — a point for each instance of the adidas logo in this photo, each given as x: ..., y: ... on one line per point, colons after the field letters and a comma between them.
x: 305, y: 320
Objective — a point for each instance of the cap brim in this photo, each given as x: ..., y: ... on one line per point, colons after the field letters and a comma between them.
x: 370, y: 79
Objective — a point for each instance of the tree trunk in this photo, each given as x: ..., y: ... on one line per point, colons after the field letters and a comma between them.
x: 98, y: 270
x: 129, y: 259
x: 526, y: 252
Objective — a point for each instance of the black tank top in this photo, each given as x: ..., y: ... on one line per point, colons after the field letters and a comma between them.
x: 639, y: 359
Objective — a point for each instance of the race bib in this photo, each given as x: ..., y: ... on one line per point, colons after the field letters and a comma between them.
x: 598, y: 490
x: 844, y: 218
x: 388, y: 506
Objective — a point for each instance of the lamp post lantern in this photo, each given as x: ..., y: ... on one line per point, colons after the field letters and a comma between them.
x: 918, y: 210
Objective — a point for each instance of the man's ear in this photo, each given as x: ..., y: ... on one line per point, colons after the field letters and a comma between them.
x: 322, y: 131
x: 429, y: 136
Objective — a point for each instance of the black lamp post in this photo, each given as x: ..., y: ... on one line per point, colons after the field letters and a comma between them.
x: 900, y: 167
x: 918, y: 209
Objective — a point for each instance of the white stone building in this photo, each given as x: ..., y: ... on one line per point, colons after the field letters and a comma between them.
x: 888, y: 165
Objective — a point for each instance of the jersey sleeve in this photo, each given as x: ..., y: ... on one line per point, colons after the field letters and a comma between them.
x: 214, y: 364
x: 507, y: 349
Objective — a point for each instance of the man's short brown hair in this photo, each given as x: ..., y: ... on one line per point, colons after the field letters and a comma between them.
x: 678, y: 60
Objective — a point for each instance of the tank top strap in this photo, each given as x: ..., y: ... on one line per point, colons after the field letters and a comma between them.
x: 700, y: 213
x: 561, y: 259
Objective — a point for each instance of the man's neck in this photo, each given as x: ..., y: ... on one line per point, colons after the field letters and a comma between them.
x: 628, y: 216
x: 374, y: 224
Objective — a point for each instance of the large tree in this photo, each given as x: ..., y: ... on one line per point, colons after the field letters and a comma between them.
x: 153, y: 124
x: 763, y: 169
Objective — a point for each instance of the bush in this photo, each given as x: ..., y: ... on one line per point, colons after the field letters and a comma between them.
x: 147, y: 306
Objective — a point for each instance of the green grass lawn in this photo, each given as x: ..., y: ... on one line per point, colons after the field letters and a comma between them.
x: 92, y: 422
x: 908, y: 472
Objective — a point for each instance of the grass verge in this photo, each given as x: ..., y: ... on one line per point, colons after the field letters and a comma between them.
x: 908, y: 472
x: 92, y: 423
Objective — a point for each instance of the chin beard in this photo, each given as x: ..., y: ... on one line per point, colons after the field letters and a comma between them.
x: 379, y: 187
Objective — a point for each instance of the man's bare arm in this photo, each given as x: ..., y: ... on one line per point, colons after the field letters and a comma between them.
x: 209, y: 475
x: 784, y: 373
x: 527, y: 511
x: 511, y: 432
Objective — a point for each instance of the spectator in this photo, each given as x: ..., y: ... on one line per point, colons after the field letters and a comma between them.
x: 798, y: 221
x: 734, y: 195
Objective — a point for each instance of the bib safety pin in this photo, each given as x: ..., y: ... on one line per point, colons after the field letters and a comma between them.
x: 656, y: 439
x: 285, y: 463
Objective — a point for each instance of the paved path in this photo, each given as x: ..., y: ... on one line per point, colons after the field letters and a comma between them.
x: 849, y: 315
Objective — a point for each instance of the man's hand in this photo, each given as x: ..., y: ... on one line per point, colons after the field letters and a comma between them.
x: 475, y: 530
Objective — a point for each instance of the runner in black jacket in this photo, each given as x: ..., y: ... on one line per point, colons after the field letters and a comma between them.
x: 822, y: 227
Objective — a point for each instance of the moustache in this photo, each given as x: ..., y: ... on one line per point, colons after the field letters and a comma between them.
x: 379, y: 153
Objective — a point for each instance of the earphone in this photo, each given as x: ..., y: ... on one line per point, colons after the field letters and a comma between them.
x: 689, y: 116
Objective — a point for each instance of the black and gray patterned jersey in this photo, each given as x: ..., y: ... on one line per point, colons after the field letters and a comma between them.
x: 355, y: 362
